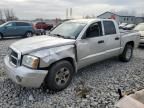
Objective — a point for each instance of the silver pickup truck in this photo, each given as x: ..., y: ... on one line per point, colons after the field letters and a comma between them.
x: 52, y: 60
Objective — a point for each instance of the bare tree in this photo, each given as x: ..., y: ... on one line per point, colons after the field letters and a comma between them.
x: 89, y: 16
x: 1, y: 15
x: 9, y: 14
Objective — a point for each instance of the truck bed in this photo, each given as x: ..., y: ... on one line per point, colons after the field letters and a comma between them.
x: 125, y: 32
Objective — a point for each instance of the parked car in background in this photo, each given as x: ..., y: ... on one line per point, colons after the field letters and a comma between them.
x: 40, y: 32
x: 43, y: 25
x: 122, y: 25
x: 52, y: 60
x: 129, y: 27
x: 140, y: 28
x: 16, y: 28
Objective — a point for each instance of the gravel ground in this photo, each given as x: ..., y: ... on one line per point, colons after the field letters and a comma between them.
x: 93, y: 87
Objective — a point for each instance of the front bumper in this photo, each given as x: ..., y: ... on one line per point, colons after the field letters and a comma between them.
x: 24, y: 76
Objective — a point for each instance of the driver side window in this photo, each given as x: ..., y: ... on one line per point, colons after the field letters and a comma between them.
x: 9, y: 24
x: 95, y: 30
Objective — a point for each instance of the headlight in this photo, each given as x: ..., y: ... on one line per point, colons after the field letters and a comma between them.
x: 30, y: 61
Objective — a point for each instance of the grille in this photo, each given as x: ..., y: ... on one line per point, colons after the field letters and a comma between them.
x: 13, y: 57
x: 142, y: 37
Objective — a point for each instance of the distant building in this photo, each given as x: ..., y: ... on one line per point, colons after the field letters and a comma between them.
x: 139, y: 20
x: 121, y: 19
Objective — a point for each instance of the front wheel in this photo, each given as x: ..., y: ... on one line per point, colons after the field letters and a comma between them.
x: 28, y: 34
x: 127, y: 53
x: 59, y: 76
x: 1, y: 36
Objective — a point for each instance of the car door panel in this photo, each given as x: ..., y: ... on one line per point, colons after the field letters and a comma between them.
x: 113, y: 39
x: 10, y: 30
x: 21, y: 28
x: 113, y: 45
x: 94, y: 51
x: 90, y: 50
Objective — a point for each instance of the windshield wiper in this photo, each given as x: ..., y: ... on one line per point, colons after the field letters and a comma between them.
x: 58, y: 35
x: 61, y: 36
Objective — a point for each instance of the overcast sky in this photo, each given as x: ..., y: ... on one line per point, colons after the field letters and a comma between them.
x: 31, y: 9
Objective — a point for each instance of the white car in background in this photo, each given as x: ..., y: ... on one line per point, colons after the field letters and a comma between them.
x: 129, y: 27
x: 140, y: 28
x: 122, y: 25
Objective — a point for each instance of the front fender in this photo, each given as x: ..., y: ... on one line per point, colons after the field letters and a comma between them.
x: 51, y: 55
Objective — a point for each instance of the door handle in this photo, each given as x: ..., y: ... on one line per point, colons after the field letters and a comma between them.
x: 117, y: 38
x: 101, y: 41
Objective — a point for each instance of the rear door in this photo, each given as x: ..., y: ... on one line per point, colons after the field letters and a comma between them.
x: 91, y: 48
x: 22, y: 28
x: 112, y: 38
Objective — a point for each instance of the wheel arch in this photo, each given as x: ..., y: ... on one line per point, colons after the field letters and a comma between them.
x: 1, y: 34
x: 69, y: 59
x: 27, y: 32
x: 130, y: 43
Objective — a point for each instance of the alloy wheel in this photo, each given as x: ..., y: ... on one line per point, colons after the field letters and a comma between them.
x: 62, y: 76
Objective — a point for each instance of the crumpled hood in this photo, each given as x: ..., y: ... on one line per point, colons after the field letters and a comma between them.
x: 39, y: 42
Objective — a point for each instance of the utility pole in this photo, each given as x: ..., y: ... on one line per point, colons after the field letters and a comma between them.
x: 67, y: 13
x: 71, y: 12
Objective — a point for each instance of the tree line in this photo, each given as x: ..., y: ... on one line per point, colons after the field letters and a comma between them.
x: 7, y: 15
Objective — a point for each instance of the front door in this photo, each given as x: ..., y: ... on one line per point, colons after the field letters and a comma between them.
x: 91, y: 48
x: 10, y: 29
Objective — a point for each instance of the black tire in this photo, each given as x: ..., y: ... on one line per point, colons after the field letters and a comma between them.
x: 28, y: 34
x: 1, y: 36
x: 44, y: 33
x: 52, y: 80
x: 127, y: 53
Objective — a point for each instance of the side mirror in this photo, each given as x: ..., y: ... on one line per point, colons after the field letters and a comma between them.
x: 84, y: 36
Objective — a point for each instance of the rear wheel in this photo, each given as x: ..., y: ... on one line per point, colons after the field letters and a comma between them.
x: 59, y: 76
x: 127, y: 53
x: 28, y: 34
x: 44, y: 33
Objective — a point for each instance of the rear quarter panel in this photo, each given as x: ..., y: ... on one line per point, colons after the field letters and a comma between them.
x: 128, y: 37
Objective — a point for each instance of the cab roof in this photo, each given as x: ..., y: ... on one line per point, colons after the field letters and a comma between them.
x: 89, y: 20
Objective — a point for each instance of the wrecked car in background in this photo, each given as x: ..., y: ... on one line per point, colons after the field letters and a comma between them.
x: 52, y: 60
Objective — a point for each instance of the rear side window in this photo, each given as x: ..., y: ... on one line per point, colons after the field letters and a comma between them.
x: 10, y: 24
x: 109, y: 27
x: 22, y: 24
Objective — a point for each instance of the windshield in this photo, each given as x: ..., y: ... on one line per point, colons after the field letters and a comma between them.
x: 68, y: 29
x: 4, y: 24
x: 139, y: 27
